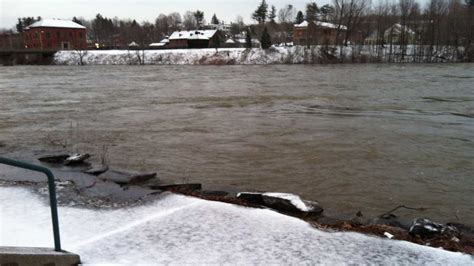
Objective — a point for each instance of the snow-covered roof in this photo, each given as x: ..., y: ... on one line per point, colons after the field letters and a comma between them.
x: 242, y: 40
x: 230, y: 41
x: 303, y: 24
x: 56, y: 23
x: 322, y: 24
x: 133, y: 44
x: 329, y: 25
x: 157, y: 44
x: 193, y: 35
x: 398, y: 28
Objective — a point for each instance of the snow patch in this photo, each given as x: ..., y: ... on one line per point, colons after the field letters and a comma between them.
x: 256, y: 56
x: 182, y: 230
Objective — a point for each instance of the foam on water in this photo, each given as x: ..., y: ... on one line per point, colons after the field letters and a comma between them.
x: 178, y: 229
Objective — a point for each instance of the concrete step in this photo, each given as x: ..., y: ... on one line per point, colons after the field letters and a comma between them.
x: 26, y: 256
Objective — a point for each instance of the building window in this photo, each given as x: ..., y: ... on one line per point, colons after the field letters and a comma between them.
x: 70, y: 34
x: 36, y: 35
x: 80, y: 35
x: 48, y: 35
x: 58, y: 34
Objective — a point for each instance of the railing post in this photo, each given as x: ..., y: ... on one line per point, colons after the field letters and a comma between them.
x: 52, y: 193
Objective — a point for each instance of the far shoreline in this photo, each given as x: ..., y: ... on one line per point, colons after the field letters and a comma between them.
x: 277, y: 55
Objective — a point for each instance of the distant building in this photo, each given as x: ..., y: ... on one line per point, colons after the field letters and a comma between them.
x: 160, y: 45
x: 55, y: 34
x: 230, y: 43
x: 225, y: 28
x: 194, y: 39
x: 317, y: 32
x: 394, y: 34
x: 241, y: 43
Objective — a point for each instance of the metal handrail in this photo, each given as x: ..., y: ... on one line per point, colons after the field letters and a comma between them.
x: 52, y: 193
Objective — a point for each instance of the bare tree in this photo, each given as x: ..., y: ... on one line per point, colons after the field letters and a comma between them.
x: 238, y: 26
x: 189, y: 21
x: 406, y: 6
x: 174, y: 21
x: 80, y: 54
x: 435, y: 12
x: 287, y: 14
x: 162, y: 25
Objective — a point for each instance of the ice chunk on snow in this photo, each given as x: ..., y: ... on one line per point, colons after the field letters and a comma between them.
x: 294, y: 199
x: 183, y: 230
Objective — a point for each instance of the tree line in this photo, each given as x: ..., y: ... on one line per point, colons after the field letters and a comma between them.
x: 435, y: 24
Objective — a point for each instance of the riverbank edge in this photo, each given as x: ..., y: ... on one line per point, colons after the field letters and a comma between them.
x: 272, y: 56
x: 357, y: 225
x: 319, y: 221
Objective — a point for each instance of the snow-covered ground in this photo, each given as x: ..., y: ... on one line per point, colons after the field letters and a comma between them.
x: 184, y: 230
x: 275, y: 55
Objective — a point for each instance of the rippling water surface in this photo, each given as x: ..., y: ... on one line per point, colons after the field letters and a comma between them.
x: 354, y: 137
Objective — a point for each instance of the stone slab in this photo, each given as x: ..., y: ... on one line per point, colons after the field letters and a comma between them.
x: 25, y: 256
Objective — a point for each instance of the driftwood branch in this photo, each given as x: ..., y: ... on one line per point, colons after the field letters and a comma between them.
x: 400, y: 207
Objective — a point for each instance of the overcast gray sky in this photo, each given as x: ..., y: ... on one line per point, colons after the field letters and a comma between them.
x: 140, y: 10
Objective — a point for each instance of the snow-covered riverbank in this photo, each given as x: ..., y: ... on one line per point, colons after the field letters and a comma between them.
x: 231, y: 56
x: 184, y: 230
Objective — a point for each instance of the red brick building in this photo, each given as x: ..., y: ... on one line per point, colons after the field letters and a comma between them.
x: 55, y: 34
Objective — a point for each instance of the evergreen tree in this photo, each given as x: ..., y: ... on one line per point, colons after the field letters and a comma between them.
x: 199, y: 16
x: 260, y: 14
x: 299, y: 17
x: 273, y: 15
x: 326, y: 12
x: 312, y: 11
x: 78, y: 21
x: 248, y: 39
x: 25, y: 22
x: 19, y: 26
x: 265, y: 40
x: 214, y: 20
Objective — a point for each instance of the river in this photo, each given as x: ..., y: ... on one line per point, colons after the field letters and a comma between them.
x: 354, y: 137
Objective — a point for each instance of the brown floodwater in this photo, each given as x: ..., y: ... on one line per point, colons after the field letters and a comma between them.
x: 353, y: 137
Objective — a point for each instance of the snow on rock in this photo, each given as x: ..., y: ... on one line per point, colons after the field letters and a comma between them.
x: 295, y: 200
x: 284, y: 202
x: 183, y: 230
x: 427, y: 228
